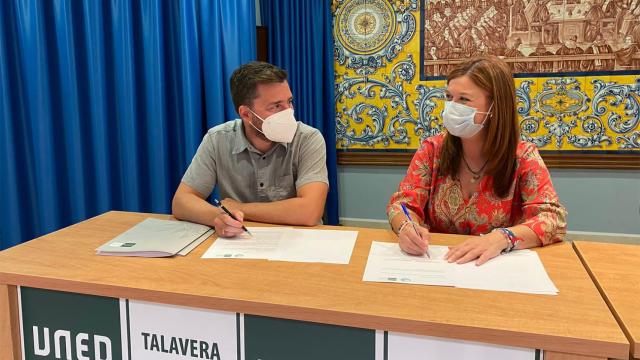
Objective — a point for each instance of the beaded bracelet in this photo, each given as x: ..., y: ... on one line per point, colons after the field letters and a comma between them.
x: 404, y: 223
x: 511, y: 237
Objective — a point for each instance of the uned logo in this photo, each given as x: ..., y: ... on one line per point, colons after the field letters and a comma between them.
x: 61, y: 325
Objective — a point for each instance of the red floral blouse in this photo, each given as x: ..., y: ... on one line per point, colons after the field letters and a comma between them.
x: 441, y: 205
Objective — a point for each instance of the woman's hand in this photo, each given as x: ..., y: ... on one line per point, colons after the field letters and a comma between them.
x: 412, y: 243
x: 482, y: 248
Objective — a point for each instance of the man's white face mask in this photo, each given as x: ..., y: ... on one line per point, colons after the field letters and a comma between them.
x: 279, y: 127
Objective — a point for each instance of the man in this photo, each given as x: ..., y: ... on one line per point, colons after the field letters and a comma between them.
x: 593, y: 20
x: 481, y: 50
x: 436, y: 69
x: 520, y: 22
x: 435, y: 26
x: 448, y: 15
x: 571, y: 48
x: 625, y: 55
x: 598, y: 47
x: 268, y: 167
x: 541, y: 66
x: 514, y: 52
x: 540, y: 15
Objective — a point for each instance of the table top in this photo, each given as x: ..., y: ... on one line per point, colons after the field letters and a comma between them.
x: 615, y: 268
x: 576, y: 321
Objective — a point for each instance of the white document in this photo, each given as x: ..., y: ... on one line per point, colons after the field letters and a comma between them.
x: 264, y: 244
x: 520, y: 271
x: 388, y: 263
x: 325, y: 246
x: 287, y: 244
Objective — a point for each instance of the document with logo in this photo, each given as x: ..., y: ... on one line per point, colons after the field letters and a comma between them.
x: 519, y: 271
x: 287, y: 244
x: 264, y: 244
x: 156, y: 238
x: 388, y: 263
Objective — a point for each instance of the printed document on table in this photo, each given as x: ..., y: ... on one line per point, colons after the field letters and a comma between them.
x: 519, y: 271
x: 325, y: 246
x: 287, y: 244
x: 264, y: 244
x: 388, y: 263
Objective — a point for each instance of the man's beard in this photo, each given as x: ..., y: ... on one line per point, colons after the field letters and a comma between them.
x: 255, y: 122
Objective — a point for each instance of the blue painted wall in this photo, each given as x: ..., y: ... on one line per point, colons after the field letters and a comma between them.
x: 597, y: 200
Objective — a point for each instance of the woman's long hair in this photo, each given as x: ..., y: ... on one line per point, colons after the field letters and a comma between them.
x: 493, y: 76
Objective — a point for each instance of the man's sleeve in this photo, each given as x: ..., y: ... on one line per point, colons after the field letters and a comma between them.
x: 201, y: 173
x: 312, y: 165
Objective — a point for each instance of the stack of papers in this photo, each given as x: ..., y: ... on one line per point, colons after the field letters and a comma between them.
x: 519, y: 271
x: 157, y: 238
x: 287, y: 244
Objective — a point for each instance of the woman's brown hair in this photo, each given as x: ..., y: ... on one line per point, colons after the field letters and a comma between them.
x: 493, y: 76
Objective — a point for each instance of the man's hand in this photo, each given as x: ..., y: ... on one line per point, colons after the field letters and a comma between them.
x: 226, y: 226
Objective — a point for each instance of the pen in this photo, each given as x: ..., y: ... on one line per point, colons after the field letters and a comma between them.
x: 406, y: 213
x: 217, y: 203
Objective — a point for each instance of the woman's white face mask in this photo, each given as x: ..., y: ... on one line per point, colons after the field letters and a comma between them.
x: 280, y: 127
x: 459, y: 119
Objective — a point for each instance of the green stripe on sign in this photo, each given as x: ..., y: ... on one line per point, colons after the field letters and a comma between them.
x: 279, y: 339
x: 128, y: 330
x: 386, y: 345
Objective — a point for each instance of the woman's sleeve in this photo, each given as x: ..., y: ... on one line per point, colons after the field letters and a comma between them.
x: 415, y: 187
x: 541, y: 208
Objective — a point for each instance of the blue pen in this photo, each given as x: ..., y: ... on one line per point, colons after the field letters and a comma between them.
x: 217, y: 203
x: 406, y: 213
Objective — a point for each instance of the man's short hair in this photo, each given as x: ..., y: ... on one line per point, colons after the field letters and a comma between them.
x: 245, y: 79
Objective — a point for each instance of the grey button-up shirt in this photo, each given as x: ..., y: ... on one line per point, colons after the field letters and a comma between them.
x: 227, y: 159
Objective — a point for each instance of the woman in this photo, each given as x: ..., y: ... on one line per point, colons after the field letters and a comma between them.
x: 478, y: 178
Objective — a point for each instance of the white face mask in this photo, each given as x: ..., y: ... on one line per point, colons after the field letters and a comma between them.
x: 279, y: 127
x: 458, y: 119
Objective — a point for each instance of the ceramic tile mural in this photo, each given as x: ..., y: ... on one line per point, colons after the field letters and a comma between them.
x: 576, y: 66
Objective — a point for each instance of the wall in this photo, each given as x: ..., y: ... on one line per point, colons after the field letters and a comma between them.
x: 576, y: 66
x: 577, y: 79
x: 597, y: 201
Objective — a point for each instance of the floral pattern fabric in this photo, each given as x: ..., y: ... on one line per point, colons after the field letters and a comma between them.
x: 441, y: 205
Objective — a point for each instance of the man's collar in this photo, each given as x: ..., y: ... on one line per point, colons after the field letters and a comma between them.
x: 240, y: 141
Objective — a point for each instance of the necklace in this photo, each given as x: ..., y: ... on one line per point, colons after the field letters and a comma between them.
x: 475, y: 175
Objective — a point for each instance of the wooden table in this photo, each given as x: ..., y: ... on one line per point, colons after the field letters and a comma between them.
x: 615, y: 269
x: 576, y: 324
